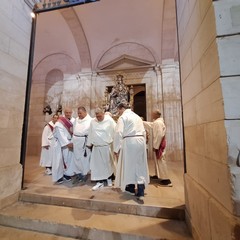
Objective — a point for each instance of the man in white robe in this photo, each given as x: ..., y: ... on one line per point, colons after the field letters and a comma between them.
x: 63, y: 165
x: 130, y: 149
x: 81, y: 152
x: 47, y: 145
x: 159, y: 147
x: 100, y: 139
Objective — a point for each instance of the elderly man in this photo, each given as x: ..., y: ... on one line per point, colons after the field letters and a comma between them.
x: 159, y: 147
x: 81, y: 152
x: 100, y: 139
x: 63, y: 165
x: 47, y: 145
x: 130, y: 148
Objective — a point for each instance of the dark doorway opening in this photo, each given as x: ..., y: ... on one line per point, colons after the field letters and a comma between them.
x: 140, y: 102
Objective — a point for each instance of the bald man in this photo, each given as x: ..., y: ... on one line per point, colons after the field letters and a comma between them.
x: 159, y: 147
x: 100, y: 139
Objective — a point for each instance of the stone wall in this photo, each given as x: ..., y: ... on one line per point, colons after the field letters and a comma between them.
x: 209, y: 92
x: 15, y: 25
x: 54, y: 82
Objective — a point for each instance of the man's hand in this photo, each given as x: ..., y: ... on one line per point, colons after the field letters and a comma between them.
x: 70, y: 146
x: 90, y: 147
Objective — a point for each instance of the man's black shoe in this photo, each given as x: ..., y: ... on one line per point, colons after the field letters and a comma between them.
x: 67, y: 178
x: 154, y: 177
x: 165, y: 183
x: 130, y: 188
x: 59, y: 181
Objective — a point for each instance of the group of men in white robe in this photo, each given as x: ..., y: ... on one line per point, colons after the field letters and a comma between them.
x: 80, y: 146
x: 88, y: 145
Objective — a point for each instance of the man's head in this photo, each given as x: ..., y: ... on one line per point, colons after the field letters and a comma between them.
x: 122, y: 107
x: 99, y: 112
x: 68, y: 113
x: 82, y: 113
x: 156, y: 114
x: 55, y: 118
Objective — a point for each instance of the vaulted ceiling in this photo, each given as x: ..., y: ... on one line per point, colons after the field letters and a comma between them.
x: 87, y: 31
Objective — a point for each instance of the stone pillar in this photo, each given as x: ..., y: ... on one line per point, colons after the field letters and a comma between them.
x: 172, y: 109
x: 14, y: 51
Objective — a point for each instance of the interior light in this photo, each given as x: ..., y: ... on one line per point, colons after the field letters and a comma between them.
x: 32, y: 14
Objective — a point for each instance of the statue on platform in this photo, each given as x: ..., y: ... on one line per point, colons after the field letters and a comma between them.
x: 119, y: 93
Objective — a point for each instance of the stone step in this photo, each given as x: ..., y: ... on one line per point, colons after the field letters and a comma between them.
x: 107, y: 199
x: 9, y: 233
x: 88, y: 224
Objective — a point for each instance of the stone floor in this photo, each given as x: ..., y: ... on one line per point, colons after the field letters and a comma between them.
x: 155, y: 195
x: 67, y: 211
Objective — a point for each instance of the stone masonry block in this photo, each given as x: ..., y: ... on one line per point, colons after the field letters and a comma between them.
x: 20, y: 68
x: 189, y: 113
x: 192, y: 85
x: 9, y: 28
x: 186, y: 66
x: 193, y: 165
x: 210, y: 68
x: 12, y: 84
x: 204, y: 6
x: 10, y: 181
x: 4, y: 40
x: 9, y: 156
x: 227, y: 17
x: 209, y: 104
x: 231, y: 96
x: 18, y: 51
x: 205, y: 36
x: 198, y: 208
x: 195, y: 139
x: 215, y: 178
x: 229, y: 55
x: 216, y: 141
x: 222, y: 221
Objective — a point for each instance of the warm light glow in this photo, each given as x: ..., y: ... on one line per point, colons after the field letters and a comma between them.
x: 32, y: 14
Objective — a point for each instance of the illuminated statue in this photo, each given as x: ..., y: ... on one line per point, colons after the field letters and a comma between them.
x: 119, y: 93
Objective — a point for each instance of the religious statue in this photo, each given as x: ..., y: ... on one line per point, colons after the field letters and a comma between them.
x: 119, y: 93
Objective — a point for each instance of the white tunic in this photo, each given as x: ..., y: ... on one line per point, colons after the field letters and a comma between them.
x: 158, y: 129
x: 130, y: 139
x: 47, y: 140
x: 101, y: 137
x: 63, y: 163
x: 81, y: 152
x: 158, y: 132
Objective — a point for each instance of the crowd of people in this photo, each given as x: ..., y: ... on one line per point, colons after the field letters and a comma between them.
x: 104, y: 150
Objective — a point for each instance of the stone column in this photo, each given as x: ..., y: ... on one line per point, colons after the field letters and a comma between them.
x: 14, y: 51
x: 172, y: 109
